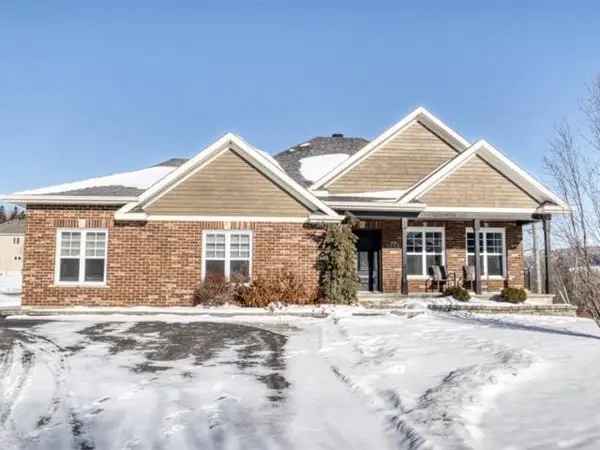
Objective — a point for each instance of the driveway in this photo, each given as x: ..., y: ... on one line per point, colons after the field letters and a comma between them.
x: 433, y: 380
x: 98, y: 383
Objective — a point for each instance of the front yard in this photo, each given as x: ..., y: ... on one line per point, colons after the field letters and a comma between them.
x: 435, y: 380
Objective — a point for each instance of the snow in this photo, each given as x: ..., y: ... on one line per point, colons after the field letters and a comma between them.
x: 314, y: 167
x: 10, y: 289
x: 140, y: 179
x: 436, y: 380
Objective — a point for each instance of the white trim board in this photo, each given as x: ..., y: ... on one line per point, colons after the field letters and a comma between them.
x: 252, y: 155
x: 419, y: 114
x: 201, y: 218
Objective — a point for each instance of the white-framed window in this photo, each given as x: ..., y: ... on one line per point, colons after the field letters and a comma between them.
x: 492, y: 250
x: 81, y: 256
x: 227, y: 254
x: 424, y: 248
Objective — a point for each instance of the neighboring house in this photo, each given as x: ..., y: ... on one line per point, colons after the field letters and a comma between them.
x: 12, y: 236
x: 419, y: 190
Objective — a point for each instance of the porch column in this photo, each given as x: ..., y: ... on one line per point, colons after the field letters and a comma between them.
x: 547, y: 251
x: 404, y: 282
x: 477, y: 257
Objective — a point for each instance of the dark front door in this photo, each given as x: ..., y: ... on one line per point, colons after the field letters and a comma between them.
x: 368, y: 249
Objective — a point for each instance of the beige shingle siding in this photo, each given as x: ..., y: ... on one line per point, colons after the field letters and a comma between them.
x: 398, y: 164
x: 477, y: 184
x: 228, y: 186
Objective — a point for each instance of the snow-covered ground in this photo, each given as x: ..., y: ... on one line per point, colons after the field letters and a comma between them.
x: 448, y: 381
x: 10, y: 289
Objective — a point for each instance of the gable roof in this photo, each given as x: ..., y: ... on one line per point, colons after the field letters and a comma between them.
x: 304, y: 170
x: 261, y: 161
x: 295, y: 160
x: 497, y: 160
x: 419, y: 114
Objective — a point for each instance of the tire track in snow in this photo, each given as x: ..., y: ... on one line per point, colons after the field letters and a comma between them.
x: 15, y: 366
x: 35, y: 352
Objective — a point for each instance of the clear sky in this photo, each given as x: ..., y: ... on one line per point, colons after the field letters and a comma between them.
x: 87, y: 91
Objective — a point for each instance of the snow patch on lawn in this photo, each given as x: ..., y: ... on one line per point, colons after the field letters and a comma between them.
x: 314, y: 167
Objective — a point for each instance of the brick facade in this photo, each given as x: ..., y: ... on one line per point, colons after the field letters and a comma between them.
x: 159, y: 263
x: 391, y: 252
x: 152, y: 263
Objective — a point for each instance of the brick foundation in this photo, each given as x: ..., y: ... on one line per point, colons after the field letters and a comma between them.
x: 153, y: 263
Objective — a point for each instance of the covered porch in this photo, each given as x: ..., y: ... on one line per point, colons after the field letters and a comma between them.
x: 411, y: 253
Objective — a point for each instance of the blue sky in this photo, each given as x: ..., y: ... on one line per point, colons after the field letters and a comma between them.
x: 88, y: 91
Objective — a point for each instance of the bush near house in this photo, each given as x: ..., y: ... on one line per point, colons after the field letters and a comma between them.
x: 513, y: 295
x: 283, y: 286
x: 458, y: 293
x: 337, y: 265
x: 214, y: 291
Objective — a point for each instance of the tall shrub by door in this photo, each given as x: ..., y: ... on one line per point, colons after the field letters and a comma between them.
x: 337, y: 264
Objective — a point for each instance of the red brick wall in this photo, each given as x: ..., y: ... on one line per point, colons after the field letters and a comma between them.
x: 391, y: 232
x: 158, y: 263
x: 152, y: 263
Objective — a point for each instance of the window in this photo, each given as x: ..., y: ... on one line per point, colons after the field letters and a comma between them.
x: 81, y: 256
x: 227, y: 254
x: 491, y: 248
x: 424, y: 248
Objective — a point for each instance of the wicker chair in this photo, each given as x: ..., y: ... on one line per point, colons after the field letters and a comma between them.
x: 469, y: 276
x: 439, y: 277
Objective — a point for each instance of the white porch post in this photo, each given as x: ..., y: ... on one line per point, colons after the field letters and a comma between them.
x: 477, y: 257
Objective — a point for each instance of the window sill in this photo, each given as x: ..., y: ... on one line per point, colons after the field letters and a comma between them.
x: 80, y: 285
x: 418, y: 277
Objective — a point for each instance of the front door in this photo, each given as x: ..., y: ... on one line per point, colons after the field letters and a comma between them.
x: 368, y: 249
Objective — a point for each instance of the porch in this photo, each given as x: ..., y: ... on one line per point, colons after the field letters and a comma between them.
x: 410, y: 255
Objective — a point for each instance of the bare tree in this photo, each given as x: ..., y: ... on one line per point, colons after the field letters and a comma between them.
x: 574, y: 162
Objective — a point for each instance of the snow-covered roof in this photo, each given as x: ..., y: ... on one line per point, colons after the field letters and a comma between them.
x: 314, y: 167
x: 301, y: 155
x: 123, y: 184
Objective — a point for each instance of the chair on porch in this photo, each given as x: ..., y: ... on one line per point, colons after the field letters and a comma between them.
x: 439, y: 277
x: 469, y: 276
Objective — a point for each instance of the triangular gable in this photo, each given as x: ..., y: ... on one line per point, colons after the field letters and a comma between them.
x: 229, y: 151
x: 482, y: 171
x: 420, y: 115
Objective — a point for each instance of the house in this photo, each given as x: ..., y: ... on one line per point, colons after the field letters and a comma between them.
x: 419, y: 191
x: 12, y: 235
